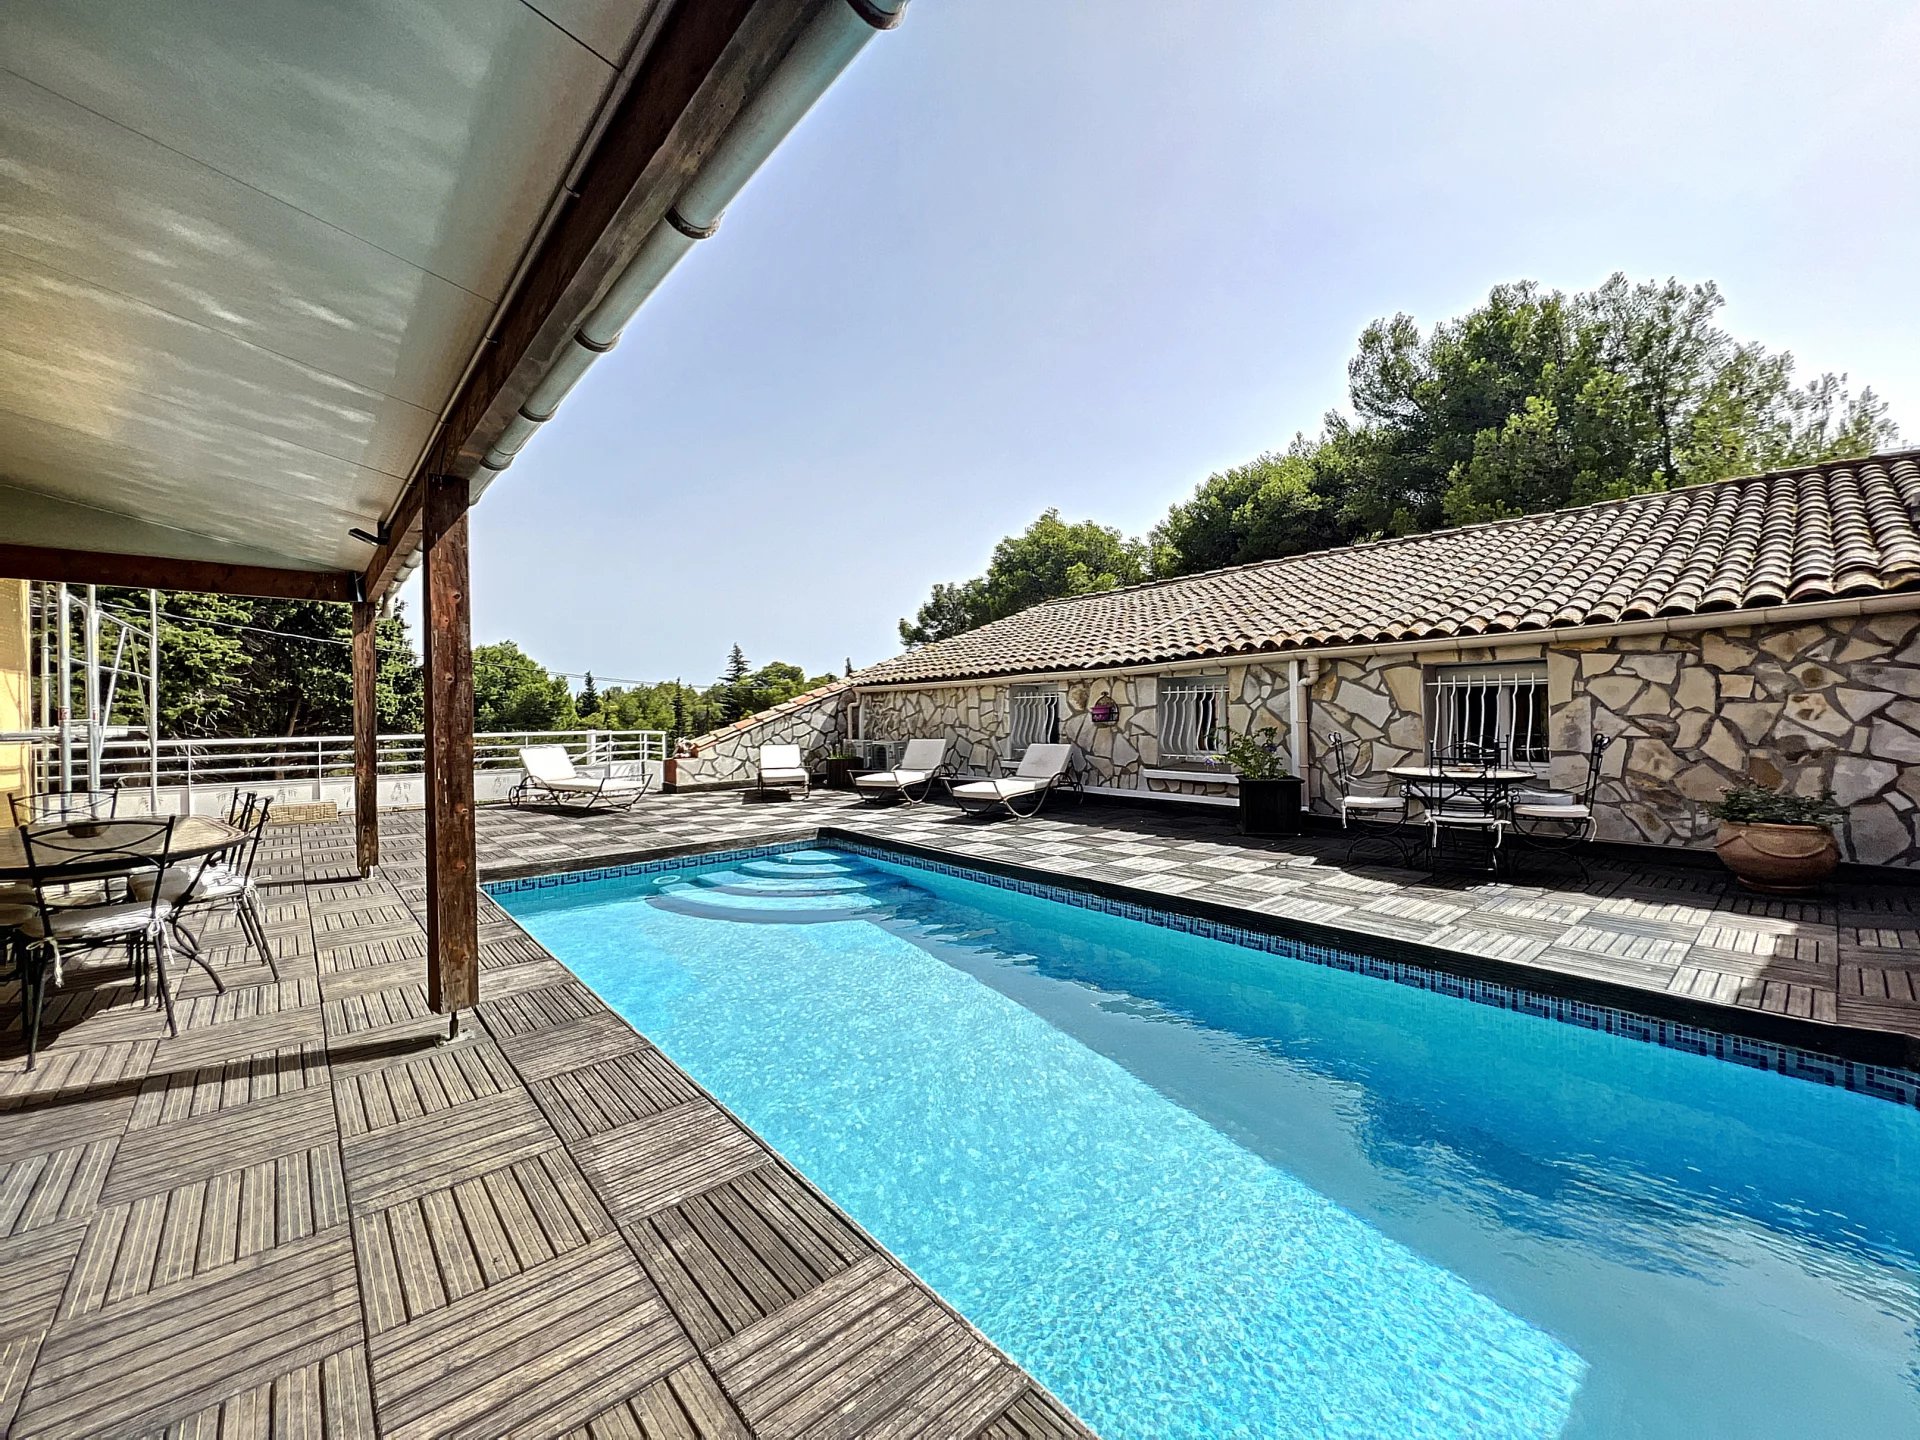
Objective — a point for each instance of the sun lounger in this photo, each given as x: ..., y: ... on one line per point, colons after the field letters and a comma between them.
x: 924, y: 762
x: 551, y: 777
x: 1043, y: 769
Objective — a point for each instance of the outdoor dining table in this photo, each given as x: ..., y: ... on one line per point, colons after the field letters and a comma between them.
x: 1434, y: 785
x: 193, y: 837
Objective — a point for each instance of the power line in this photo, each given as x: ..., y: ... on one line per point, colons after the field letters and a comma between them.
x: 236, y: 625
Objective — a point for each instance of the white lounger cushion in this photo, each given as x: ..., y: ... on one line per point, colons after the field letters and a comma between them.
x: 923, y: 755
x: 1044, y: 762
x: 1014, y: 786
x: 782, y: 774
x: 549, y: 764
x: 891, y: 779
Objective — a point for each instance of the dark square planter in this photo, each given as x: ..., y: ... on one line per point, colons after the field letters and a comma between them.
x: 1270, y: 807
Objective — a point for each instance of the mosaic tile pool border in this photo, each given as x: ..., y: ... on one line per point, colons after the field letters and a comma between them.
x: 1883, y: 1082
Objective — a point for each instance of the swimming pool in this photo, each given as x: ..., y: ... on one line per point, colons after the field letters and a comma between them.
x: 1204, y: 1191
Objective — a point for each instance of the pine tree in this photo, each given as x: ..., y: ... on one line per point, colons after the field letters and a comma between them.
x: 589, y: 702
x: 737, y: 667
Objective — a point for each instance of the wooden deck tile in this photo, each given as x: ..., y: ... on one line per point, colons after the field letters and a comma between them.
x: 122, y: 1371
x: 659, y: 1161
x: 539, y: 1353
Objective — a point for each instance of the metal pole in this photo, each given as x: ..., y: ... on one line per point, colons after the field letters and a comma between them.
x: 153, y: 701
x: 64, y: 710
x: 92, y: 641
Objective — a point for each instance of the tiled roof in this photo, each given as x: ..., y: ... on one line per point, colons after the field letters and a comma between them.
x: 1845, y: 528
x: 772, y: 712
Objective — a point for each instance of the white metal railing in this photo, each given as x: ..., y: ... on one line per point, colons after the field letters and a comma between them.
x: 1193, y: 717
x: 1500, y: 711
x: 125, y: 760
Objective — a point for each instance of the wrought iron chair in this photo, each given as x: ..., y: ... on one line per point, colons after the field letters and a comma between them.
x: 223, y: 880
x: 1366, y: 798
x: 1468, y: 802
x: 1556, y: 822
x: 71, y: 915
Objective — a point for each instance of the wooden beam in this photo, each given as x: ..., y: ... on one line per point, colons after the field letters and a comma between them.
x: 155, y: 572
x: 366, y: 738
x: 697, y: 74
x: 453, y: 907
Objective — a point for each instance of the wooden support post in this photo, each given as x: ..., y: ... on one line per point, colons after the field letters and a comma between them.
x: 453, y: 943
x: 366, y: 738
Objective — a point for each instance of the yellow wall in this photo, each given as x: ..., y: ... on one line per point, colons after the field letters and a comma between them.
x: 14, y: 693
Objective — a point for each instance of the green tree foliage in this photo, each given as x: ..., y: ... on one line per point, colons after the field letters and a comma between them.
x: 1531, y: 401
x: 1046, y: 561
x: 1272, y: 505
x: 513, y: 691
x: 233, y: 665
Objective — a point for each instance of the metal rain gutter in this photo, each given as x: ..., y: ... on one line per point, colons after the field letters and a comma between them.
x: 1789, y: 614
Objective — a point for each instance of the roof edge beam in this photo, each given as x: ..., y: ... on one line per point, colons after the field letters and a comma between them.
x: 153, y: 572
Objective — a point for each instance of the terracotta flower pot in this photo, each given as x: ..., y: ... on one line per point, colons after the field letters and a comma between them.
x: 1778, y: 859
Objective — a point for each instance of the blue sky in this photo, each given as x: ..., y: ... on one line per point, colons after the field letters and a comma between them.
x: 1081, y: 255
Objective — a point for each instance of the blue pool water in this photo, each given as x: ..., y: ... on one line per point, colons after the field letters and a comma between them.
x: 1203, y: 1191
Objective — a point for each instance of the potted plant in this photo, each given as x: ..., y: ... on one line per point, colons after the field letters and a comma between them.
x: 1774, y: 842
x: 840, y: 768
x: 1269, y: 791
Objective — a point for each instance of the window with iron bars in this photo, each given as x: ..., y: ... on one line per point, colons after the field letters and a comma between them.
x: 1496, y: 712
x: 1193, y: 717
x: 1033, y: 716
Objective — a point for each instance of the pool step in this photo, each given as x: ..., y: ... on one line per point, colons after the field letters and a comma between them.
x: 772, y: 891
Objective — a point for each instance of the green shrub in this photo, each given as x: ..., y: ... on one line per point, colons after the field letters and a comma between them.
x: 1759, y: 805
x: 1258, y: 755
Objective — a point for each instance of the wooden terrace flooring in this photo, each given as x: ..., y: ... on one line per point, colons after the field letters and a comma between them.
x: 303, y: 1216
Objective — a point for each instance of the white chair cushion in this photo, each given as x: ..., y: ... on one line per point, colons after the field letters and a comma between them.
x: 1567, y: 810
x: 13, y: 917
x: 1465, y: 817
x: 102, y: 923
x: 783, y: 775
x: 781, y: 757
x: 1373, y: 802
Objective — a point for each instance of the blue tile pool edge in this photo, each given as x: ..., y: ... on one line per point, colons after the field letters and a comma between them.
x: 1884, y: 1082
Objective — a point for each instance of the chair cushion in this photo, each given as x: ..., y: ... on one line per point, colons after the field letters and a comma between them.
x: 1465, y: 817
x: 1000, y: 789
x: 217, y: 883
x: 783, y: 775
x: 890, y: 779
x: 102, y: 922
x: 924, y: 755
x: 573, y: 785
x: 1372, y: 802
x: 1566, y: 811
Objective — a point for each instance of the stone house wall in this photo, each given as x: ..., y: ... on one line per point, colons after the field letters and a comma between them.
x: 814, y: 721
x: 1115, y: 754
x: 1831, y: 704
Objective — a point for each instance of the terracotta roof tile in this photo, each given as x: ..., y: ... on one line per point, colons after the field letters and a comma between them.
x: 1841, y: 529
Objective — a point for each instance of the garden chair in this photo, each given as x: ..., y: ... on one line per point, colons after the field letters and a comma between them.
x: 782, y: 768
x: 1381, y: 813
x: 224, y: 880
x: 1558, y: 822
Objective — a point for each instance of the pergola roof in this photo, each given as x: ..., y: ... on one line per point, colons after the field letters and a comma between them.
x: 265, y: 266
x: 1840, y: 529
